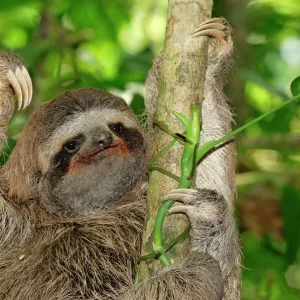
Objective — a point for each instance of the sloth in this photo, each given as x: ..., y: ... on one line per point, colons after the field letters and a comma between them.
x: 72, y: 200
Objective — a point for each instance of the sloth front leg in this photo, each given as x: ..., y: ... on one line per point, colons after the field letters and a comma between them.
x: 217, y: 170
x: 211, y: 220
x: 14, y: 79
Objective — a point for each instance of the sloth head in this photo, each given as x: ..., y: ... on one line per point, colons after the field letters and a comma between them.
x: 79, y: 153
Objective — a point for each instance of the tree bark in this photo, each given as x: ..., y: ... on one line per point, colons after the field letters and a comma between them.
x: 182, y: 84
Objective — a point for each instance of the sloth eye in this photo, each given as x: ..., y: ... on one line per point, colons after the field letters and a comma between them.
x: 117, y: 127
x: 71, y: 146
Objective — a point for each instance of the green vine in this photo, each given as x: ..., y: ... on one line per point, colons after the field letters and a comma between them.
x: 190, y: 158
x: 187, y: 170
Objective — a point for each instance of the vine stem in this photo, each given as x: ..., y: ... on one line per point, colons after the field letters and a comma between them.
x: 180, y: 139
x: 163, y: 171
x: 211, y: 144
x: 187, y: 170
x: 190, y: 158
x: 178, y: 239
x: 152, y: 167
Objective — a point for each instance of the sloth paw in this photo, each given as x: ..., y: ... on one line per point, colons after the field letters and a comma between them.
x: 199, y: 205
x: 220, y: 48
x: 13, y: 73
x: 217, y: 28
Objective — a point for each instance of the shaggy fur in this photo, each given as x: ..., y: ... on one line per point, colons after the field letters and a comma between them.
x: 217, y: 170
x: 81, y: 258
x: 70, y: 227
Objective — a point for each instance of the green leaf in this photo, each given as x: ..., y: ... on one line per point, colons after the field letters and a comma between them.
x: 295, y: 86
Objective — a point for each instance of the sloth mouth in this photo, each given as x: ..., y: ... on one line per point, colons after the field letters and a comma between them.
x: 94, y: 153
x: 100, y: 152
x: 97, y: 154
x: 97, y: 150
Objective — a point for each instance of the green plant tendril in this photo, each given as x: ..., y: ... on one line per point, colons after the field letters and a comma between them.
x: 163, y: 171
x: 151, y: 166
x: 191, y: 156
x: 179, y: 239
x: 187, y: 170
x: 165, y: 128
x: 211, y: 144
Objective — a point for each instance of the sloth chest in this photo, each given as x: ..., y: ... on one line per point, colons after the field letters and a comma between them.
x: 69, y: 263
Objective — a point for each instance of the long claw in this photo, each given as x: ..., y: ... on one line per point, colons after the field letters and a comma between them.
x: 16, y: 86
x: 29, y: 84
x: 210, y: 32
x: 179, y: 209
x: 193, y: 192
x: 213, y: 20
x: 217, y: 26
x: 181, y: 195
x: 23, y: 83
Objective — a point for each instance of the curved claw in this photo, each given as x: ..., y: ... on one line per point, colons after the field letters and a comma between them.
x: 216, y: 26
x: 179, y: 209
x: 213, y: 28
x: 23, y: 83
x: 214, y: 20
x: 181, y: 195
x: 16, y: 86
x: 29, y: 84
x: 217, y: 34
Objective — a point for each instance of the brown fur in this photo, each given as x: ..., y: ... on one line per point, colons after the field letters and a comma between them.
x: 217, y: 170
x: 51, y: 250
x: 82, y: 258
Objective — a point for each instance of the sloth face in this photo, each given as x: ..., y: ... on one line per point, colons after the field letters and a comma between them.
x: 96, y: 156
x: 93, y: 138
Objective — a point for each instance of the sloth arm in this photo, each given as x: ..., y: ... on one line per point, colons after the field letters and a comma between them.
x: 14, y: 80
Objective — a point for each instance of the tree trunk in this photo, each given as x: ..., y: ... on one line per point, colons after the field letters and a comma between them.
x: 181, y: 85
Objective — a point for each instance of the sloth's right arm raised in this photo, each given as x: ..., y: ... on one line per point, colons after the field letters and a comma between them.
x: 14, y: 79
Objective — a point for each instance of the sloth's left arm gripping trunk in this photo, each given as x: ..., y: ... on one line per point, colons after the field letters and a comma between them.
x: 217, y: 170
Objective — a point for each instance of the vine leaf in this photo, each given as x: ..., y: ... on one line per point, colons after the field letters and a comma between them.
x: 295, y: 86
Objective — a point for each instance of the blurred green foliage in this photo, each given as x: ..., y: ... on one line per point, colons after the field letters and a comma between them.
x: 110, y: 44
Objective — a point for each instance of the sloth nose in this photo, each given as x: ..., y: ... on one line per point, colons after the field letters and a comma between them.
x: 103, y: 139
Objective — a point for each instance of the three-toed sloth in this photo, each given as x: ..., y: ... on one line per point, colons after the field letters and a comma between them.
x: 72, y: 199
